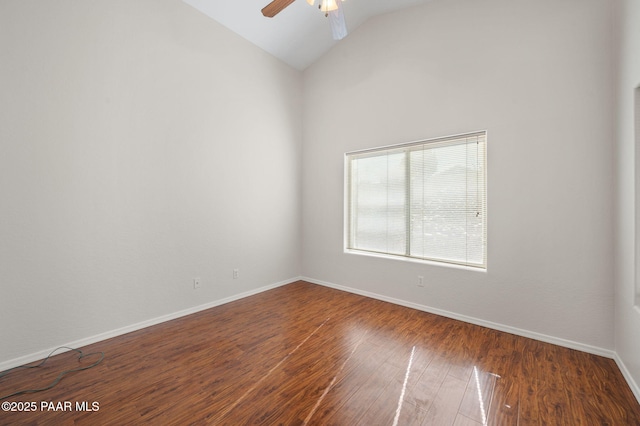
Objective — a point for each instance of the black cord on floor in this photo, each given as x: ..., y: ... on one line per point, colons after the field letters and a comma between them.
x: 60, y: 376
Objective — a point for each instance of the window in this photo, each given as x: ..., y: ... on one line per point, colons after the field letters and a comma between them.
x: 424, y: 200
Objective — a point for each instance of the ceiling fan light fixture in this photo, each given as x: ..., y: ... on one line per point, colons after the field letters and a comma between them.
x: 331, y: 9
x: 328, y: 5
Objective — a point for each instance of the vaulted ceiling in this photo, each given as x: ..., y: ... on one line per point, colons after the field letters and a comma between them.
x: 300, y: 34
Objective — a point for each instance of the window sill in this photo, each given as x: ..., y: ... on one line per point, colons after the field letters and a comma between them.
x: 415, y: 260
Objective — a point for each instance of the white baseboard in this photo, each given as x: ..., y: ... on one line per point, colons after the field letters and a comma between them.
x: 628, y: 377
x: 501, y: 327
x: 495, y: 326
x: 6, y: 365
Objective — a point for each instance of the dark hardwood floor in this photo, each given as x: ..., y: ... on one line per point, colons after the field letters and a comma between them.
x: 305, y: 354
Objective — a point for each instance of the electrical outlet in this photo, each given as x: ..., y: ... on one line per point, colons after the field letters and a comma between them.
x: 197, y: 283
x: 420, y: 281
x: 236, y: 274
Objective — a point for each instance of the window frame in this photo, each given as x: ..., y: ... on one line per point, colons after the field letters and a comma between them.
x: 480, y: 136
x: 636, y: 198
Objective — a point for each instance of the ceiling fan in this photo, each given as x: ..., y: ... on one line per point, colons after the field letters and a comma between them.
x: 331, y: 8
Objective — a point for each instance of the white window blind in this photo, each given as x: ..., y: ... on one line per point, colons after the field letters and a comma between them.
x: 424, y: 200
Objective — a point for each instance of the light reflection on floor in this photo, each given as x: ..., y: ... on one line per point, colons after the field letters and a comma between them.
x: 426, y: 382
x: 404, y: 387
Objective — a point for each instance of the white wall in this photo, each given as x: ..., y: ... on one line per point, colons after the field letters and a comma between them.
x: 627, y: 317
x: 141, y: 145
x: 539, y: 77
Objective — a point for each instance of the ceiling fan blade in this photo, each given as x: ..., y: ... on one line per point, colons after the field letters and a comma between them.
x: 275, y: 7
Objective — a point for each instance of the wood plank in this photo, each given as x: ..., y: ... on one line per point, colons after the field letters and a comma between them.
x: 478, y: 396
x: 307, y: 354
x: 465, y: 421
x: 505, y: 405
x: 446, y: 404
x: 424, y: 392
